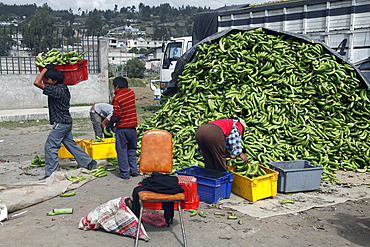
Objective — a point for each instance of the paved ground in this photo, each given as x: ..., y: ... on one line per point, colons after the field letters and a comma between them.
x: 342, y: 224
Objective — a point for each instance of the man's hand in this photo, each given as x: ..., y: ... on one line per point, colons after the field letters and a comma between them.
x: 231, y: 156
x: 49, y: 66
x: 109, y: 126
x: 104, y: 123
x: 244, y: 157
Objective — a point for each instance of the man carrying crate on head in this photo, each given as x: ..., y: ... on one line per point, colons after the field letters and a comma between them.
x: 58, y: 104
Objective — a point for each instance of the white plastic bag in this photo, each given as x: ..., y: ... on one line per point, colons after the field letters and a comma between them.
x: 3, y: 212
x: 114, y: 216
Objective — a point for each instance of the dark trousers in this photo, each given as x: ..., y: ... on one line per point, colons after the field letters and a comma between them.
x: 212, y: 142
x: 126, y: 146
x: 96, y: 120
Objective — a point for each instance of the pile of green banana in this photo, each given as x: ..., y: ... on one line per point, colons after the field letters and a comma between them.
x: 54, y: 56
x: 99, y: 172
x: 298, y: 100
x: 113, y: 161
x: 37, y: 162
x: 250, y: 170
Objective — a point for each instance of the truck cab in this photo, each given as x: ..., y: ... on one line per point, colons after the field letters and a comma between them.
x: 172, y: 51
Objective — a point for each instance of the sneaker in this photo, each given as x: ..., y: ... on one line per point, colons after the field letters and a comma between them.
x: 44, y: 177
x: 92, y: 164
x: 134, y: 174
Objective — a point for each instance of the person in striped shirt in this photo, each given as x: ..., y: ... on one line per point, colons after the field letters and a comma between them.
x: 125, y: 120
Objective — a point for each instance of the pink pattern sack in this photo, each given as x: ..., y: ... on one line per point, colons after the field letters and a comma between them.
x: 114, y: 216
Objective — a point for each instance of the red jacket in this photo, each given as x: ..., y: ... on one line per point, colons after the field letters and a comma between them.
x: 124, y: 108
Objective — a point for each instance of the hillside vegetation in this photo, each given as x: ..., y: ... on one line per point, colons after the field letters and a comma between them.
x: 158, y: 22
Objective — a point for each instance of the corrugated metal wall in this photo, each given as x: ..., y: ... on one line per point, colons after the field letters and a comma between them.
x: 343, y: 24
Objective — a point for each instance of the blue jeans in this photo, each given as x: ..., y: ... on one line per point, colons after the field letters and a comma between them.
x: 126, y: 146
x: 62, y: 133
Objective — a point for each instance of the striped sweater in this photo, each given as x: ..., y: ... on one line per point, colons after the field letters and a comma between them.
x: 124, y: 108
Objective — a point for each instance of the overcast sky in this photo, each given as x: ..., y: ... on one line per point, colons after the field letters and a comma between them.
x: 109, y: 4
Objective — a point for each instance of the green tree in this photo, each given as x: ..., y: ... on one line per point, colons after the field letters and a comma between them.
x: 5, y: 42
x: 142, y: 51
x: 94, y: 23
x: 160, y: 32
x: 39, y: 33
x: 135, y: 68
x: 134, y: 50
x: 110, y: 71
x: 123, y: 10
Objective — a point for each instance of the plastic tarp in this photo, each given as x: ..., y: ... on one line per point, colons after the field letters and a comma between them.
x: 364, y: 66
x: 303, y: 201
x: 21, y: 195
x: 352, y: 186
x: 205, y: 24
x: 186, y: 58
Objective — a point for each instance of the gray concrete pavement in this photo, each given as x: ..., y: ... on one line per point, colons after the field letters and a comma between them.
x: 39, y: 114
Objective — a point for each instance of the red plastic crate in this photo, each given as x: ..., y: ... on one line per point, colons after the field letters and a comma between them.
x: 189, y: 184
x: 73, y: 73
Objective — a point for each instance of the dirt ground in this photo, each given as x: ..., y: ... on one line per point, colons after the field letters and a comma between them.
x: 345, y: 224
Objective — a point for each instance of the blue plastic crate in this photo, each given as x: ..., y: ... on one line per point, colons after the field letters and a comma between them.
x: 297, y: 175
x: 212, y: 185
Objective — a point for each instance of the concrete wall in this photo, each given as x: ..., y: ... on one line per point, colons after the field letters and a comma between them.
x: 18, y: 91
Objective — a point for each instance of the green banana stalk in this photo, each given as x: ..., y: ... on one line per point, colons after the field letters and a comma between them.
x: 54, y: 56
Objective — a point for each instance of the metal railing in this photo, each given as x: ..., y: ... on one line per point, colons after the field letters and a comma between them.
x: 18, y: 51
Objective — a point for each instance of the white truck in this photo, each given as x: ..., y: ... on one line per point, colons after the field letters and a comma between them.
x: 343, y: 25
x: 172, y: 51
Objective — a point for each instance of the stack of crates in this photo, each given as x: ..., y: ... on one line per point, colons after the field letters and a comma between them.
x: 189, y: 184
x: 213, y: 185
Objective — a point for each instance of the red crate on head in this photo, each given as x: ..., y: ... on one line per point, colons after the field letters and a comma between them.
x: 73, y: 73
x: 189, y: 184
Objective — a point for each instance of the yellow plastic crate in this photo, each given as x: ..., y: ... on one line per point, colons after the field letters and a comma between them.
x: 65, y: 154
x: 101, y: 150
x: 256, y: 189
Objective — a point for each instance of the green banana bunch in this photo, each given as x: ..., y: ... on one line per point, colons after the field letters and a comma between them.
x: 113, y: 134
x: 298, y: 100
x: 37, y: 162
x: 112, y: 161
x: 99, y: 172
x: 54, y: 56
x: 251, y: 170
